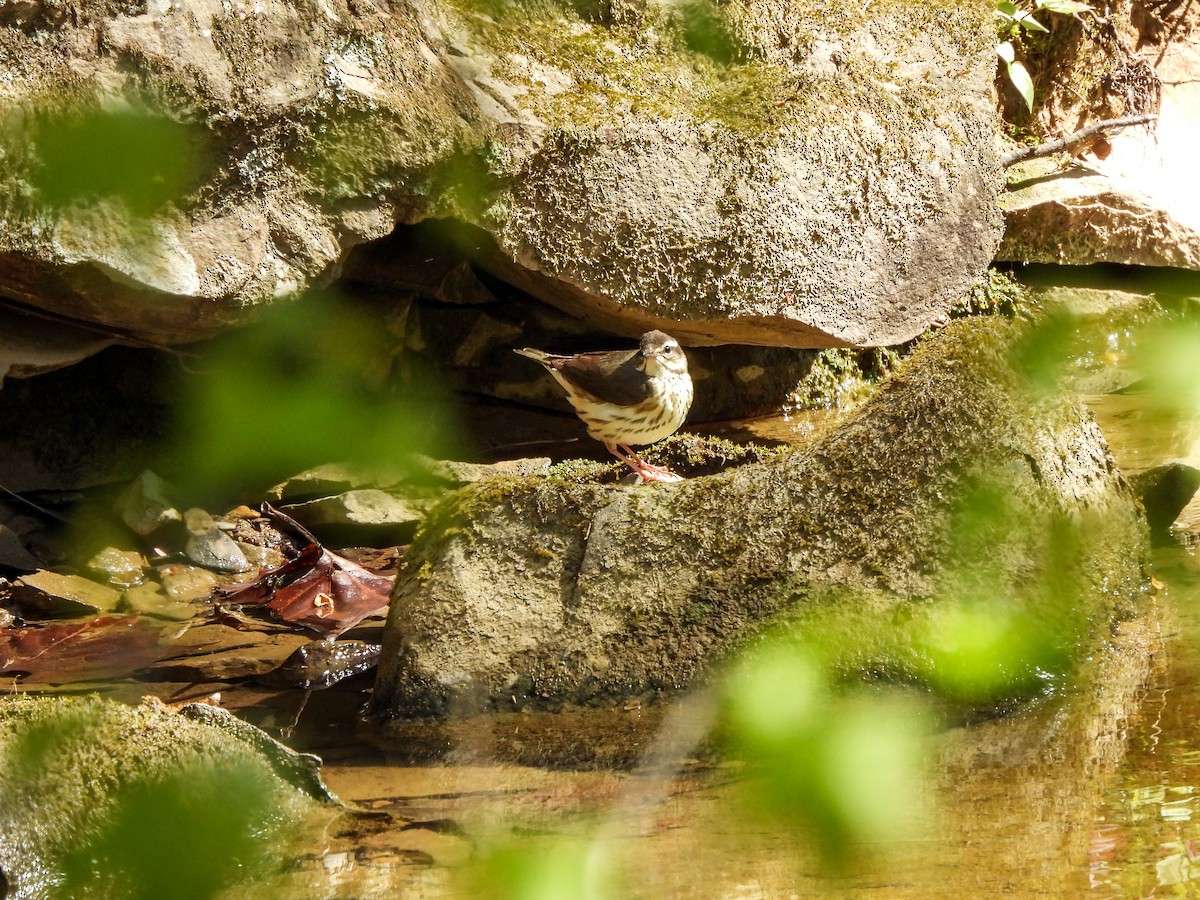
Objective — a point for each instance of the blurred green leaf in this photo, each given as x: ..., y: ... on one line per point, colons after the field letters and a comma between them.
x: 307, y: 384
x: 988, y: 651
x: 776, y: 693
x: 1167, y: 354
x: 1042, y: 354
x: 992, y: 638
x: 568, y: 869
x: 844, y: 766
x: 148, y: 161
x: 178, y: 837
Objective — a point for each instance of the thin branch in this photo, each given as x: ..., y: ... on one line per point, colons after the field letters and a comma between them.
x: 1071, y: 140
x: 25, y: 500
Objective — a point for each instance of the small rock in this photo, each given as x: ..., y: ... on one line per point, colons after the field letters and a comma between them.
x: 366, y: 516
x: 186, y: 584
x: 123, y: 568
x: 69, y: 594
x: 323, y: 663
x: 149, y: 599
x: 326, y: 480
x: 208, y: 544
x: 262, y: 557
x: 144, y: 506
x: 362, y: 507
x: 13, y: 553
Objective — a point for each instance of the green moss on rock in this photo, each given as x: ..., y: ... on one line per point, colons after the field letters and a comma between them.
x: 101, y: 799
x: 955, y: 491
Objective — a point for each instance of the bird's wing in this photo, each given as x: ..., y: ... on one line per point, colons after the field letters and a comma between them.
x: 610, y: 376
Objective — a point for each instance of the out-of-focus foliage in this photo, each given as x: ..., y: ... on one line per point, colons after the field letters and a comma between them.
x: 1043, y: 353
x: 1168, y: 353
x: 182, y: 836
x: 146, y: 160
x: 843, y: 765
x: 306, y: 385
x: 560, y: 869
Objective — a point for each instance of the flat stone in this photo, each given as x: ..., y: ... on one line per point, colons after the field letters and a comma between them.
x: 360, y: 507
x: 1080, y: 216
x: 72, y: 594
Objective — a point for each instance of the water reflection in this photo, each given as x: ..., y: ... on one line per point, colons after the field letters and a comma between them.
x: 1147, y: 833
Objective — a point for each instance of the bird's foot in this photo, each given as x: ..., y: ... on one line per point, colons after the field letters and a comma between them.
x: 645, y: 471
x: 658, y: 474
x: 651, y: 472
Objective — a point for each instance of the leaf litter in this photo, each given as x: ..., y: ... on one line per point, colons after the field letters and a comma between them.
x: 316, y: 590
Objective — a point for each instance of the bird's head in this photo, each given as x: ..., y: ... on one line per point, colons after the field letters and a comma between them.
x: 662, y: 352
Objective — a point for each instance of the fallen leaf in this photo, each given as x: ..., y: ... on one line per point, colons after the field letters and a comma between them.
x: 103, y: 647
x: 318, y: 590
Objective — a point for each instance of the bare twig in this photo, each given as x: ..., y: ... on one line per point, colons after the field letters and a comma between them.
x: 25, y: 500
x: 1071, y: 140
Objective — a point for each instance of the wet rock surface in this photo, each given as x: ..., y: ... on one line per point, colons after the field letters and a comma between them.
x: 536, y: 592
x: 1166, y: 490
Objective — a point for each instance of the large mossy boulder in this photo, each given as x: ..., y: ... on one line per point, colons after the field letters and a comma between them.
x: 956, y: 482
x: 99, y: 799
x: 783, y: 173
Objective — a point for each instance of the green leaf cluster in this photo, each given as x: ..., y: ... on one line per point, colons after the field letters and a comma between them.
x: 1016, y: 18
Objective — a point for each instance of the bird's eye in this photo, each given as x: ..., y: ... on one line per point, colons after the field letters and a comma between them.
x: 670, y: 348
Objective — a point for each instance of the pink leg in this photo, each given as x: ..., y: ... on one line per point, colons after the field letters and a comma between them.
x: 645, y: 471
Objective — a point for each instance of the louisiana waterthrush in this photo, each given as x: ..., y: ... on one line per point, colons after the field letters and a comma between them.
x: 627, y: 397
